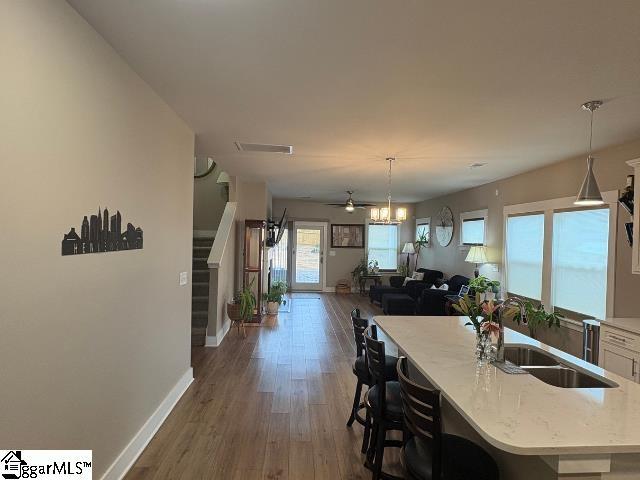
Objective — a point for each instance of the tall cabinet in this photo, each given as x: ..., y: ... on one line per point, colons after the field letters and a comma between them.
x: 253, y: 261
x: 635, y: 249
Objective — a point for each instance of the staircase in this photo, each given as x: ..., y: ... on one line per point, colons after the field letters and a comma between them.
x: 200, y: 290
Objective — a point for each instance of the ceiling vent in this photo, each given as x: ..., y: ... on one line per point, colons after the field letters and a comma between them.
x: 264, y: 148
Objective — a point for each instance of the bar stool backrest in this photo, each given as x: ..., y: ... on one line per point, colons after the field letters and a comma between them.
x: 359, y: 326
x: 376, y: 363
x: 421, y: 407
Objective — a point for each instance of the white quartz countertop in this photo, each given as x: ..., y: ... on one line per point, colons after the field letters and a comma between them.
x: 518, y: 413
x: 629, y: 324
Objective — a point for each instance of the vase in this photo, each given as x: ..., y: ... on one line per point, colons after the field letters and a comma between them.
x: 483, y: 348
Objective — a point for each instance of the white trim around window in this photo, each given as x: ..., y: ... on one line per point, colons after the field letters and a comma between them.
x: 398, y: 246
x: 548, y: 208
x: 474, y: 214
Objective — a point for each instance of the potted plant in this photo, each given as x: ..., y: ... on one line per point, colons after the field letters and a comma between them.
x: 275, y: 297
x: 420, y: 243
x: 493, y: 287
x: 536, y: 317
x: 403, y: 270
x: 358, y: 272
x: 242, y: 307
x: 479, y: 286
x: 373, y: 267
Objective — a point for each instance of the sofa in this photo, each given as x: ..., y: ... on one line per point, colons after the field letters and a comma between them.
x: 432, y: 302
x: 413, y: 288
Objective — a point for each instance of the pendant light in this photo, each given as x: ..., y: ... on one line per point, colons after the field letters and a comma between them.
x: 589, y: 194
x: 383, y: 215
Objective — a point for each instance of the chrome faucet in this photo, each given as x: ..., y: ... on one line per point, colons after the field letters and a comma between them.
x: 510, y: 301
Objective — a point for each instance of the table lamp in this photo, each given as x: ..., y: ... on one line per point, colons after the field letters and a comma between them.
x: 477, y: 254
x: 409, y: 250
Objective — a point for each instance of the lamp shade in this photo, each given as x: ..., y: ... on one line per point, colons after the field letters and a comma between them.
x: 589, y: 193
x: 477, y: 254
x: 408, y: 248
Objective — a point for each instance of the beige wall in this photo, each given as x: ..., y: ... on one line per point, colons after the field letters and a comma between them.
x: 345, y: 259
x: 209, y: 200
x: 89, y: 344
x: 558, y: 180
x: 252, y: 198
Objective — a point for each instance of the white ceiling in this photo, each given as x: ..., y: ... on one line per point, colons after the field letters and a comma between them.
x: 438, y: 84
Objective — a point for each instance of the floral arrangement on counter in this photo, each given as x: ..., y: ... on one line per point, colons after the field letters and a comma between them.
x: 484, y: 316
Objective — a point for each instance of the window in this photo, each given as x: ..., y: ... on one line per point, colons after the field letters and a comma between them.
x: 563, y: 256
x: 580, y: 254
x: 472, y: 228
x: 382, y: 245
x: 523, y: 255
x: 423, y: 228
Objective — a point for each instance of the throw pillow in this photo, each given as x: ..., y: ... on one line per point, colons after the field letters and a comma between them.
x: 406, y: 280
x: 444, y: 286
x: 417, y: 276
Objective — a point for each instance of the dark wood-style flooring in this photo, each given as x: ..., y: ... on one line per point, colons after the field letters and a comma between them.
x: 272, y: 406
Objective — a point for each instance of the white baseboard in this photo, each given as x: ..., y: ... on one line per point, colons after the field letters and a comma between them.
x: 204, y: 233
x: 132, y: 451
x: 216, y: 340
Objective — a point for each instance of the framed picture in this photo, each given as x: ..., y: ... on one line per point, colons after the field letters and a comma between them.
x: 347, y: 236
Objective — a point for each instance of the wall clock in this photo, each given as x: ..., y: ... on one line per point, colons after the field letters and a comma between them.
x: 444, y: 228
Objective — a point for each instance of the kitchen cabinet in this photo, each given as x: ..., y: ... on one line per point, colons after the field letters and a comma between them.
x: 620, y: 360
x: 620, y: 350
x: 635, y: 249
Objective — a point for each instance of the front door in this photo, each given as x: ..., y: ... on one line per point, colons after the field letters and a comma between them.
x: 309, y: 239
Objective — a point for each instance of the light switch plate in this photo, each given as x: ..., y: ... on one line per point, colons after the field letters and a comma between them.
x: 332, y: 253
x: 183, y: 278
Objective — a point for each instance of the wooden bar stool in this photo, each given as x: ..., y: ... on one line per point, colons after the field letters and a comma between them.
x: 430, y: 454
x: 383, y: 402
x: 361, y: 371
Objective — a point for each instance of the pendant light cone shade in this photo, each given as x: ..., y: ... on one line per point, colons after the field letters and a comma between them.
x: 589, y: 193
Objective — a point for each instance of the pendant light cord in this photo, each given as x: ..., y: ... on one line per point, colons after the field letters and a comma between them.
x: 591, y: 132
x: 389, y: 193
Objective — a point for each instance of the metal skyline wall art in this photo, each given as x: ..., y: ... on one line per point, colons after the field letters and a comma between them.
x: 101, y: 233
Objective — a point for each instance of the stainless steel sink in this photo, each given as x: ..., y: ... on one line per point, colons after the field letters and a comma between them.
x: 548, y: 369
x: 565, y: 377
x: 521, y: 355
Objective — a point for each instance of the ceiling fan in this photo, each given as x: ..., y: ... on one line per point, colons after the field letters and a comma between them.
x: 350, y: 205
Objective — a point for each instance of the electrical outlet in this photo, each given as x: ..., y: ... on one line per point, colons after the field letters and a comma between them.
x: 183, y: 278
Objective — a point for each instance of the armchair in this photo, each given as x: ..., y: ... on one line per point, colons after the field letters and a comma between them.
x: 432, y: 302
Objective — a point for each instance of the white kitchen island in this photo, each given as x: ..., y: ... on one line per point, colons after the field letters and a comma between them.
x: 534, y: 430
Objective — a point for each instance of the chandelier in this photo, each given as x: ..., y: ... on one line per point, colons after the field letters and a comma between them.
x: 382, y: 215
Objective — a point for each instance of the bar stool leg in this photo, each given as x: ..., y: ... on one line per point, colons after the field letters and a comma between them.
x: 356, y: 404
x: 366, y: 434
x: 379, y: 451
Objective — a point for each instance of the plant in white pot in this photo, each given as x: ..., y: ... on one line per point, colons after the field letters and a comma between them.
x: 275, y: 297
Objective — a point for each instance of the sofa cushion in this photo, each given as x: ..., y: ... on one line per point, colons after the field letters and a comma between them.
x: 430, y: 276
